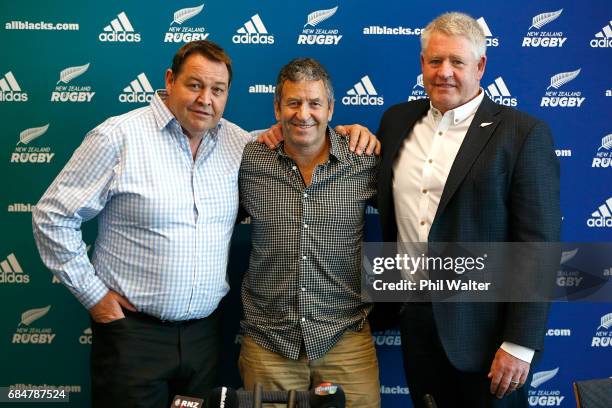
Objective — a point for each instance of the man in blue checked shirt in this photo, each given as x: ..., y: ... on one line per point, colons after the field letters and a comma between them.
x: 162, y: 180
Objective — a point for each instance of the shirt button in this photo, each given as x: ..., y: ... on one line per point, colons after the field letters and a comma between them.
x: 293, y: 167
x: 422, y: 222
x: 303, y: 319
x: 305, y: 195
x: 305, y: 225
x: 303, y: 289
x: 424, y: 191
x: 440, y: 133
x: 430, y: 161
x: 304, y: 257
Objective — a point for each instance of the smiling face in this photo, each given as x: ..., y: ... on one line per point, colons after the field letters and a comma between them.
x: 451, y: 71
x: 197, y: 94
x: 304, y: 112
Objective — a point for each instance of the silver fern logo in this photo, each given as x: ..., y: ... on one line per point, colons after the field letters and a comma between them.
x: 25, y: 153
x: 66, y: 92
x: 418, y: 90
x: 603, y: 334
x: 10, y: 91
x: 542, y: 396
x: 313, y: 34
x: 539, y: 37
x: 491, y: 40
x: 179, y: 32
x: 562, y: 98
x: 567, y: 276
x: 120, y: 29
x: 253, y: 31
x: 603, y: 156
x: 26, y: 334
x: 603, y: 38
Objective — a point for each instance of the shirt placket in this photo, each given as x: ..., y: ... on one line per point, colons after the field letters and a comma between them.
x: 429, y: 181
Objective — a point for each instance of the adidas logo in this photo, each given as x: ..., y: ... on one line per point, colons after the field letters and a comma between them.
x: 490, y: 40
x: 11, y: 271
x: 10, y: 91
x: 319, y: 36
x: 498, y: 92
x: 603, y: 39
x: 185, y: 34
x: 542, y: 38
x: 603, y: 158
x: 138, y: 91
x: 119, y: 30
x: 363, y: 93
x: 602, y: 217
x: 85, y: 338
x: 253, y: 32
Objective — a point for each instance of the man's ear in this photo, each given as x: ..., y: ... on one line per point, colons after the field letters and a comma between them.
x: 482, y: 63
x: 169, y: 80
x: 277, y: 111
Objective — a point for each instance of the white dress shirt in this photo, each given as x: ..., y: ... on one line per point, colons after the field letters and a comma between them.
x: 420, y: 173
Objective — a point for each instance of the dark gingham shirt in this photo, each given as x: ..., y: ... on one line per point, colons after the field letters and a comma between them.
x: 303, y: 282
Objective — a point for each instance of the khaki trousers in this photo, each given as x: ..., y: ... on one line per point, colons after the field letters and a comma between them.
x: 351, y: 363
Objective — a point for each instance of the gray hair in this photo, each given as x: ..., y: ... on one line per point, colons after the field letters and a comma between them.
x: 457, y: 24
x: 303, y: 69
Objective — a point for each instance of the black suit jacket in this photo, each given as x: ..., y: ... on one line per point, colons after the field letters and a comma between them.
x: 503, y: 186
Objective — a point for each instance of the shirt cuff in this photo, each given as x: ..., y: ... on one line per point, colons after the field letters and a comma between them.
x: 520, y: 352
x: 95, y: 291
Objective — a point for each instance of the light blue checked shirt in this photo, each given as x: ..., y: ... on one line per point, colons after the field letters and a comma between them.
x: 165, y: 221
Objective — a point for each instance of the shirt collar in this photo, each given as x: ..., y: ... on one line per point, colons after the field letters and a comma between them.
x: 334, y: 146
x: 163, y: 116
x: 460, y: 113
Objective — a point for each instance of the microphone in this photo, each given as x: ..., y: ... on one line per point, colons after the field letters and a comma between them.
x: 257, y: 395
x: 220, y: 397
x: 292, y: 399
x: 183, y: 401
x: 327, y: 395
x: 429, y: 400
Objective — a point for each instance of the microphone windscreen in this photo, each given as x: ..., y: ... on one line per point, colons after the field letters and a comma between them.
x: 183, y: 401
x: 327, y: 395
x: 222, y: 397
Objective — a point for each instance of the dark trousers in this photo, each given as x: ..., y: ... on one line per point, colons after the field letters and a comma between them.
x: 428, y: 370
x: 141, y: 361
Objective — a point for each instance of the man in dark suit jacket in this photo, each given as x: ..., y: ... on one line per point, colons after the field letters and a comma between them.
x: 459, y: 168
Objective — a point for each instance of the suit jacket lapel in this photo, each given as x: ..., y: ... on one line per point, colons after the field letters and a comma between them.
x: 475, y: 140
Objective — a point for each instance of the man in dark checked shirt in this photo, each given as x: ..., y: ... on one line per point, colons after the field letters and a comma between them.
x: 305, y: 322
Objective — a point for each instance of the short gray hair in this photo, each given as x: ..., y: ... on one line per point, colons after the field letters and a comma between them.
x: 457, y: 24
x: 303, y: 69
